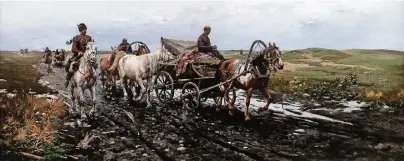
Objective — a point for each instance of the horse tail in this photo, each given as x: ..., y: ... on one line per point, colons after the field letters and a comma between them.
x: 217, y: 73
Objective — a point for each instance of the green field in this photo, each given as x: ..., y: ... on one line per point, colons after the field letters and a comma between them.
x: 376, y: 69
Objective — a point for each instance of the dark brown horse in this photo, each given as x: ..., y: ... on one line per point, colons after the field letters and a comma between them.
x: 261, y: 66
x: 60, y: 57
x: 142, y: 49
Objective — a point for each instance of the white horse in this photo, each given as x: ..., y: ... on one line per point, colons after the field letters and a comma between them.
x: 85, y: 78
x: 138, y: 68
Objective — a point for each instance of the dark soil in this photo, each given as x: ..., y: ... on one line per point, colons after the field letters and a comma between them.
x: 166, y: 132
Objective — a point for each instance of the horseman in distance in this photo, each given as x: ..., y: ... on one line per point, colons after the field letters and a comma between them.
x: 125, y: 46
x: 79, y: 43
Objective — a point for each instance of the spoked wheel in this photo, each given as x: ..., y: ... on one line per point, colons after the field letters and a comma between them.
x: 219, y: 99
x: 256, y: 47
x: 164, y: 87
x: 190, y: 95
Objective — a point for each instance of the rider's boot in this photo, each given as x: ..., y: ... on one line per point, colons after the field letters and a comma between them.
x: 67, y: 66
x: 68, y: 77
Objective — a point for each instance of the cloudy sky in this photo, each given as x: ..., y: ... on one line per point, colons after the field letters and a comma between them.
x: 235, y: 24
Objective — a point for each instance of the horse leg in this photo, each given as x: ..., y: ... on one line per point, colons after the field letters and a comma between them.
x: 123, y: 84
x: 93, y: 99
x: 113, y: 86
x: 149, y: 83
x: 102, y: 76
x: 227, y: 100
x: 139, y: 81
x: 267, y: 95
x: 127, y: 91
x: 72, y: 109
x: 81, y: 101
x: 247, y: 103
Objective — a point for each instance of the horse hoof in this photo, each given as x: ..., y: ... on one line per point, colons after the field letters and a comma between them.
x: 218, y: 109
x: 247, y: 118
x: 231, y: 112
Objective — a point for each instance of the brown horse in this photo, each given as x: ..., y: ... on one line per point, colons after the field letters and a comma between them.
x: 268, y: 61
x: 108, y: 77
x: 60, y: 57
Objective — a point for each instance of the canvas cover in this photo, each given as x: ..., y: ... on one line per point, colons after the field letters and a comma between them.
x: 178, y: 47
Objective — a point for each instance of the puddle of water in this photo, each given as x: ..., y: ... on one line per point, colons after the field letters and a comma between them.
x: 257, y: 102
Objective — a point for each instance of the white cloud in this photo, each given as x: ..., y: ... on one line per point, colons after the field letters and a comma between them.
x: 235, y: 24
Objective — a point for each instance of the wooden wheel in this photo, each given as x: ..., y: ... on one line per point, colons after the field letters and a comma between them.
x: 164, y: 86
x: 257, y: 44
x: 190, y: 95
x: 219, y: 99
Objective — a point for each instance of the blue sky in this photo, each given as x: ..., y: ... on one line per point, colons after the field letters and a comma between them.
x: 235, y: 24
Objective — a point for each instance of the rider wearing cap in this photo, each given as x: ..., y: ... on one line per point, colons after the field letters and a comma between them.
x: 204, y: 45
x: 125, y: 46
x: 79, y: 43
x: 47, y: 50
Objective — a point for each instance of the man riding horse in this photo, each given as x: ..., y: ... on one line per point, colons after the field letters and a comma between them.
x: 78, y: 48
x: 204, y: 45
x: 125, y: 46
x: 47, y: 52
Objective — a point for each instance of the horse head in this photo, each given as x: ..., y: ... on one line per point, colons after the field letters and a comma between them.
x: 142, y: 49
x: 165, y: 54
x: 90, y: 54
x: 274, y: 57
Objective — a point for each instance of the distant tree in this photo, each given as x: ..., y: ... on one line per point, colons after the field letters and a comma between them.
x: 26, y: 50
x: 21, y: 51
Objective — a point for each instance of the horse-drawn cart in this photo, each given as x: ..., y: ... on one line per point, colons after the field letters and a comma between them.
x: 198, y: 80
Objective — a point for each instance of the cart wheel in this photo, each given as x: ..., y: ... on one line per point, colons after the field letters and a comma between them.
x: 164, y: 87
x: 219, y: 99
x: 191, y: 100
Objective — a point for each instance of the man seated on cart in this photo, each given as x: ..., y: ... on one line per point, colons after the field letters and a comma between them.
x: 204, y: 45
x: 205, y: 49
x: 125, y: 46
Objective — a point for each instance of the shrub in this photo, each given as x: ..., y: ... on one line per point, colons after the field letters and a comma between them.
x: 30, y: 120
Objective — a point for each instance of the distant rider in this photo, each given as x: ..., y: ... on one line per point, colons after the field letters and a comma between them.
x: 125, y: 46
x: 79, y: 43
x: 204, y: 45
x: 47, y: 53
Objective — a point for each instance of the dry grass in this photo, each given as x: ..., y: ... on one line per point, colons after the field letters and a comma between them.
x: 28, y: 119
x: 27, y: 123
x: 395, y: 96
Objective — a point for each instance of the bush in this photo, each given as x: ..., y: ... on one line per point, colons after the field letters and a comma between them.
x: 30, y: 121
x: 336, y: 89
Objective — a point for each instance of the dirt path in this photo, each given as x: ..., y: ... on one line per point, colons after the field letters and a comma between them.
x: 129, y: 131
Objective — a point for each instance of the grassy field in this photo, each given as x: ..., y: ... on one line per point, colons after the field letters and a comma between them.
x: 379, y: 73
x: 28, y: 124
x: 376, y: 69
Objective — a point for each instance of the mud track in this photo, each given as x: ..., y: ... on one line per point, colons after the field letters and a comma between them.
x: 128, y: 131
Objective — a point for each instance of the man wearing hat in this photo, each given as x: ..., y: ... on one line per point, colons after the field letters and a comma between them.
x: 204, y: 45
x: 79, y: 43
x: 125, y: 46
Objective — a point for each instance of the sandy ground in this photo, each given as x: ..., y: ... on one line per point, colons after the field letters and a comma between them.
x: 330, y: 130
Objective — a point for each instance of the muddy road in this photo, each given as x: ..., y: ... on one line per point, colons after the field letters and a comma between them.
x: 330, y: 130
